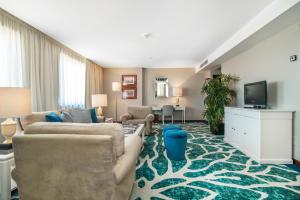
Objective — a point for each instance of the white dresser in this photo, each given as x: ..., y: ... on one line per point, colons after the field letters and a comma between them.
x: 265, y: 135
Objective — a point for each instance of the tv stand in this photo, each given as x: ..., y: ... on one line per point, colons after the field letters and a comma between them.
x: 255, y: 107
x: 265, y: 135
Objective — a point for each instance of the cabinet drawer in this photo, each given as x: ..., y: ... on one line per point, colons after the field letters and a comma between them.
x: 247, y: 113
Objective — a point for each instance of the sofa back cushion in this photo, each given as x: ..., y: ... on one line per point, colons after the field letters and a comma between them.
x: 113, y: 129
x: 139, y: 112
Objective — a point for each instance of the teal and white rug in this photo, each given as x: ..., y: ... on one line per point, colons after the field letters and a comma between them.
x: 212, y: 170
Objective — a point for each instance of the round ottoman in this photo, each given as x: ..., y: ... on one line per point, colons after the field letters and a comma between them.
x: 171, y: 127
x: 175, y: 143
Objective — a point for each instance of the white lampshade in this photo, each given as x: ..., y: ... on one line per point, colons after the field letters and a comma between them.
x: 14, y: 102
x: 177, y: 92
x: 99, y: 100
x: 116, y: 86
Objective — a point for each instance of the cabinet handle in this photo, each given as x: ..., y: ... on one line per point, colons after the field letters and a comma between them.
x: 245, y: 133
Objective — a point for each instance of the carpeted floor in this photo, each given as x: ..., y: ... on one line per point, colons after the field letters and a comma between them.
x: 212, y: 170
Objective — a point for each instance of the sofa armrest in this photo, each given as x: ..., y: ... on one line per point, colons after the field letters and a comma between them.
x: 127, y: 161
x: 126, y: 117
x: 150, y: 118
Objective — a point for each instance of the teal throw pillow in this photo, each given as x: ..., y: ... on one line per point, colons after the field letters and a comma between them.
x: 53, y: 117
x: 94, y: 115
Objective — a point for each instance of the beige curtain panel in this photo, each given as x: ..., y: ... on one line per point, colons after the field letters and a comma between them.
x: 94, y: 81
x: 40, y: 65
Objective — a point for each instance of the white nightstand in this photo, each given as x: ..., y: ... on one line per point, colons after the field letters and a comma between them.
x: 7, y: 164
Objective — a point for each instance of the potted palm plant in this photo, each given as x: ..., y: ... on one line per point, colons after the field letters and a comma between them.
x: 217, y: 95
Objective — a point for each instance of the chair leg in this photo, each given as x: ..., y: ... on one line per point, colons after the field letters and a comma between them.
x: 172, y: 119
x: 163, y: 119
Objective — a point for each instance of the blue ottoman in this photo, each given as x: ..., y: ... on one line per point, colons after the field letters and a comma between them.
x: 171, y: 127
x: 175, y: 143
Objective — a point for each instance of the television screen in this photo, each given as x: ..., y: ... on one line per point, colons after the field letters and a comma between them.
x: 256, y: 94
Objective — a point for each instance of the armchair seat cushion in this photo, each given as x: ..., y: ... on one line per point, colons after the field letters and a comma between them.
x: 135, y: 121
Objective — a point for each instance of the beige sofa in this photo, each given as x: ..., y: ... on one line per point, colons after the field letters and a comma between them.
x: 26, y: 120
x: 139, y: 115
x: 67, y: 161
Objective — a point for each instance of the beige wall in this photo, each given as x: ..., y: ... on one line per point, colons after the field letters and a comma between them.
x: 183, y: 77
x: 269, y: 60
x: 177, y: 77
x: 114, y: 74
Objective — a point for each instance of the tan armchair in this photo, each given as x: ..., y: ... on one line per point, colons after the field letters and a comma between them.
x: 139, y: 115
x: 75, y: 161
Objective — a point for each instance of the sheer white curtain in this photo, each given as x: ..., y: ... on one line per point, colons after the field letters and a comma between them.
x: 10, y: 56
x: 71, y: 82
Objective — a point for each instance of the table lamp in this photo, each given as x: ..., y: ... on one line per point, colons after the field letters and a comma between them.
x: 177, y: 92
x: 116, y: 87
x: 14, y: 102
x: 99, y: 101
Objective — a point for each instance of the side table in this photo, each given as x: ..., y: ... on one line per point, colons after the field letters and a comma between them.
x: 7, y: 184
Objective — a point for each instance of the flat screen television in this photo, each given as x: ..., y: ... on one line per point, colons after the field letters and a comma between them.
x: 255, y: 95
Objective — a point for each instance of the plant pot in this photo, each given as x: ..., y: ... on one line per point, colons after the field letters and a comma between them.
x: 220, y: 130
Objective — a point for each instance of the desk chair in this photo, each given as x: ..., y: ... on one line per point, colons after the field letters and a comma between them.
x: 167, y: 111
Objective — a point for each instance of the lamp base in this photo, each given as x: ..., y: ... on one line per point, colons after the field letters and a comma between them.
x: 8, y: 129
x: 100, y: 111
x: 177, y: 101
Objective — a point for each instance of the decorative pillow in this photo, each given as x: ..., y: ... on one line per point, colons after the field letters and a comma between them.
x: 66, y: 117
x: 94, y: 115
x: 52, y: 117
x: 77, y: 116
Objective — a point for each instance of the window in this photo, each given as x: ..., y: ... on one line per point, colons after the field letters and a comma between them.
x: 10, y: 58
x: 71, y: 82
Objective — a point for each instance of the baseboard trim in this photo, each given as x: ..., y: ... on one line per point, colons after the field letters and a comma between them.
x: 296, y: 162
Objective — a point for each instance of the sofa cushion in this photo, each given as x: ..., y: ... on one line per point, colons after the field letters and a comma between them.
x: 133, y: 145
x: 113, y: 129
x: 135, y: 121
x: 52, y: 117
x: 139, y: 112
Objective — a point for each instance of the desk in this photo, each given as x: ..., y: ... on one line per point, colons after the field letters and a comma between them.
x: 176, y: 108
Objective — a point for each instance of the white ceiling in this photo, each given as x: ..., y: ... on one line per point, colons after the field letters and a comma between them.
x: 110, y: 32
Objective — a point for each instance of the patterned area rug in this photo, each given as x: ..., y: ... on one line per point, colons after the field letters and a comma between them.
x: 212, y: 170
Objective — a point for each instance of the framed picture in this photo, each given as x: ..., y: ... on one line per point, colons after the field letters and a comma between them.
x: 129, y: 86
x: 129, y: 80
x: 129, y: 94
